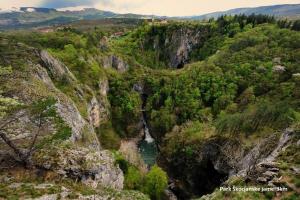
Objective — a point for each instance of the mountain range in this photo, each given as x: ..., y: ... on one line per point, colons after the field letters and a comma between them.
x: 29, y: 17
x: 285, y: 10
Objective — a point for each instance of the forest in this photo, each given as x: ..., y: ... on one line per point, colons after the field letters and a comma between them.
x: 208, y: 91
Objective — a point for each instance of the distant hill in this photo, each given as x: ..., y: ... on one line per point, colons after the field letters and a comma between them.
x: 30, y: 17
x: 286, y: 10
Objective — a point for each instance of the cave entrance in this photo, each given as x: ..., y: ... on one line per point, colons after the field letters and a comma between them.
x: 180, y: 65
x: 209, y: 179
x: 200, y: 180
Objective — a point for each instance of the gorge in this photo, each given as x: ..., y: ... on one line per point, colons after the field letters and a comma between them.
x: 162, y: 110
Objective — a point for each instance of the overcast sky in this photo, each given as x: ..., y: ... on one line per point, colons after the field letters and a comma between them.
x: 157, y: 7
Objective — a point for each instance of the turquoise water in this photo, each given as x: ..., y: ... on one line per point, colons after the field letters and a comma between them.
x: 148, y: 152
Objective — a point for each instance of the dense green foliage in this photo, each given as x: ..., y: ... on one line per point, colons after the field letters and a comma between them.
x: 240, y: 80
x: 153, y: 183
x: 156, y: 182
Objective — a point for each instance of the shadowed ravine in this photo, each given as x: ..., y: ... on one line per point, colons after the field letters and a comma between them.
x: 147, y: 147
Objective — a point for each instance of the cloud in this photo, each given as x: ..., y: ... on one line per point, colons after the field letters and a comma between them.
x: 182, y: 7
x: 158, y: 7
x: 7, y: 4
x: 69, y: 3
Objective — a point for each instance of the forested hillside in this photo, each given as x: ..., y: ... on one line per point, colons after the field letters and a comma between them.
x: 166, y: 110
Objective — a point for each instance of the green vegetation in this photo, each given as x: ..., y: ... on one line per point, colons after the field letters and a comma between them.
x: 240, y: 82
x: 108, y: 136
x: 133, y: 178
x: 153, y: 183
x: 156, y: 182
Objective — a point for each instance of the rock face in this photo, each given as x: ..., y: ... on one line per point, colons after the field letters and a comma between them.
x: 89, y: 163
x: 115, y: 62
x: 99, y: 107
x: 175, y: 45
x: 80, y: 156
x: 201, y: 172
x: 65, y: 107
x: 91, y: 167
x: 218, y: 159
x: 262, y: 156
x: 56, y: 68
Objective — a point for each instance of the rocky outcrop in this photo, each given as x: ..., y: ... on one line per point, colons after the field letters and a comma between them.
x: 88, y: 163
x: 219, y: 159
x: 103, y: 43
x: 50, y: 190
x: 205, y: 169
x: 174, y: 46
x: 57, y: 70
x: 80, y: 156
x: 66, y: 108
x: 278, y: 69
x: 90, y: 166
x: 99, y: 107
x: 115, y: 62
x: 98, y: 111
x: 265, y: 152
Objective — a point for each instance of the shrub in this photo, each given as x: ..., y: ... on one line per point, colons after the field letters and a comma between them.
x: 264, y: 113
x: 108, y: 137
x: 156, y: 182
x: 133, y: 178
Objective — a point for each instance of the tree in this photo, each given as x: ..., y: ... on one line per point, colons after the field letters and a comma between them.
x: 33, y: 119
x: 156, y: 181
x: 296, y: 25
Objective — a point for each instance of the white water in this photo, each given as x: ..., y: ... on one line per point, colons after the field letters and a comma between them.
x: 148, y: 137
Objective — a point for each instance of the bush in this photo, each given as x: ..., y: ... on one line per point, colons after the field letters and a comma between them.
x: 133, y: 178
x: 108, y: 137
x: 156, y: 181
x: 264, y: 113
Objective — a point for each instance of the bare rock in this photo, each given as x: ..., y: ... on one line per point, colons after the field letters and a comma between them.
x: 268, y: 164
x: 277, y: 60
x: 274, y: 169
x: 270, y: 174
x: 115, y: 62
x: 261, y: 180
x: 296, y: 170
x: 98, y: 110
x: 278, y: 69
x: 48, y: 197
x: 67, y: 110
x: 57, y: 69
x: 90, y: 166
x: 103, y: 43
x: 103, y: 87
x: 170, y: 195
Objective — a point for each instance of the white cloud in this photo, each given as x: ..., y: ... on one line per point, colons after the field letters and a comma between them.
x: 183, y: 7
x: 158, y: 7
x: 7, y: 4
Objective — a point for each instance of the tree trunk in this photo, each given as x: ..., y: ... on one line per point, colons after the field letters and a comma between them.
x: 20, y: 154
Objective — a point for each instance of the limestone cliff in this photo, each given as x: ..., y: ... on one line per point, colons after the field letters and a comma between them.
x: 115, y: 62
x: 80, y: 156
x: 174, y: 45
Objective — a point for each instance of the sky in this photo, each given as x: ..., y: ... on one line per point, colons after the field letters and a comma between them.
x: 156, y: 7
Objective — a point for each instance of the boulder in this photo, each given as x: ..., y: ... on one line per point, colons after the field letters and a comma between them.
x: 261, y: 180
x: 278, y: 69
x: 270, y: 174
x: 268, y: 164
x: 274, y: 169
x: 276, y: 60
